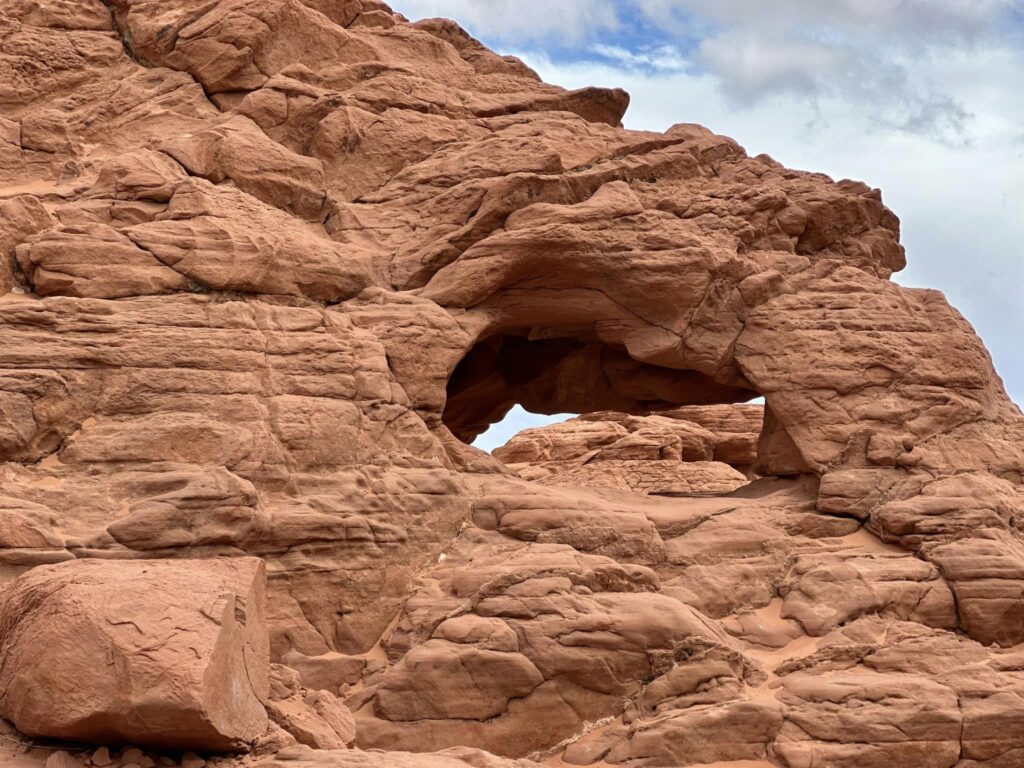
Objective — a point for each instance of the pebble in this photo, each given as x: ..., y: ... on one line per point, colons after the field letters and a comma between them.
x: 101, y: 758
x: 63, y: 759
x: 131, y: 756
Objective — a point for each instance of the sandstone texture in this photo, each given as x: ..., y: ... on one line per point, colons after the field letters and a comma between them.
x: 161, y: 652
x: 354, y: 758
x: 661, y: 455
x: 267, y: 269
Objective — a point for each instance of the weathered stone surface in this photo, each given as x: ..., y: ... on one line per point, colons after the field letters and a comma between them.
x: 20, y: 217
x: 737, y: 731
x: 985, y: 572
x: 268, y: 266
x: 457, y: 757
x: 316, y: 719
x: 226, y: 240
x: 898, y: 720
x: 94, y: 261
x: 239, y: 152
x: 158, y: 652
x: 651, y: 454
x: 736, y: 429
x: 552, y: 630
x: 830, y: 591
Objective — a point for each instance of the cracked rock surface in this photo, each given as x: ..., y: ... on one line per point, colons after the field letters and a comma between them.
x: 267, y: 269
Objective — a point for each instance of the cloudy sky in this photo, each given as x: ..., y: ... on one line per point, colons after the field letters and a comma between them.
x: 922, y: 98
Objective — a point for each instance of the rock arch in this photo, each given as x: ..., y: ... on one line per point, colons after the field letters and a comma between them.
x: 200, y: 359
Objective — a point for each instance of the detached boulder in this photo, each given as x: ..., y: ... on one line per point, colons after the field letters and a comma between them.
x: 164, y: 653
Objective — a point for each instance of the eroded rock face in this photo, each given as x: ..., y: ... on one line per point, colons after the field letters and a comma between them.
x: 269, y: 266
x: 164, y: 653
x: 661, y: 455
x: 354, y: 758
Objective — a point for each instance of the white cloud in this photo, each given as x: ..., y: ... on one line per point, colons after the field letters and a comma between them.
x: 752, y: 66
x: 895, y: 93
x: 948, y: 20
x: 875, y: 53
x: 571, y: 21
x: 665, y: 58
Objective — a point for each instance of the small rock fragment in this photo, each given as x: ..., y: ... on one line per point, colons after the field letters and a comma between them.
x: 63, y: 759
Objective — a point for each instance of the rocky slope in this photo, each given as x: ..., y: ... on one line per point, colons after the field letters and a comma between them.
x: 270, y: 265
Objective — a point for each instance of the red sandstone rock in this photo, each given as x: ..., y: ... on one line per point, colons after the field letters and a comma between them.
x: 269, y: 265
x: 651, y: 454
x: 353, y: 758
x: 317, y: 719
x: 157, y: 652
x: 21, y: 216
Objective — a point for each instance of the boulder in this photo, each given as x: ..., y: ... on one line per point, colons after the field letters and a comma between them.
x: 165, y: 653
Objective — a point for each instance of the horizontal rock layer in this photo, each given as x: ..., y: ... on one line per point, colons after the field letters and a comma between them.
x: 269, y: 266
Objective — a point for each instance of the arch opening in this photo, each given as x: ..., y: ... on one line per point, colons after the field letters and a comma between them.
x: 564, y: 371
x: 638, y: 427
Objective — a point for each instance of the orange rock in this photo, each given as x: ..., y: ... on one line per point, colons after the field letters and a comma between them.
x: 167, y: 653
x: 269, y: 266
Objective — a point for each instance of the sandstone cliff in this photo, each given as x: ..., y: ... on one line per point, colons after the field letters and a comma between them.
x: 269, y: 266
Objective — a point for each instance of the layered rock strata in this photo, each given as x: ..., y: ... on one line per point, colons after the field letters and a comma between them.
x: 268, y: 268
x: 668, y: 454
